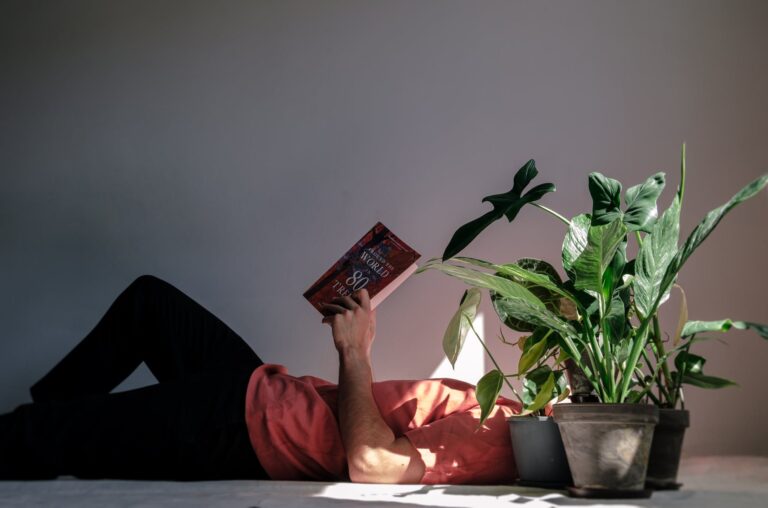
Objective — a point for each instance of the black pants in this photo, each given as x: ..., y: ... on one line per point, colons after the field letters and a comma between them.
x: 189, y: 426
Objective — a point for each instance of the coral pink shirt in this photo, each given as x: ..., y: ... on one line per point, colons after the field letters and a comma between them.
x: 294, y: 430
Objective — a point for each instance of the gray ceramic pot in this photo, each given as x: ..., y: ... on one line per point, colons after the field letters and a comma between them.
x: 665, y: 449
x: 539, y: 452
x: 607, y: 446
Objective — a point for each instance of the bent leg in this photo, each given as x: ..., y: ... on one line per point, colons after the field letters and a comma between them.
x: 152, y: 322
x: 190, y: 429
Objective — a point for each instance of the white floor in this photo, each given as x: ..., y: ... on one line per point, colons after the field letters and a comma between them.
x: 722, y: 482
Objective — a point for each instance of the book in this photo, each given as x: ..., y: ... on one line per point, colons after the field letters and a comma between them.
x: 378, y: 262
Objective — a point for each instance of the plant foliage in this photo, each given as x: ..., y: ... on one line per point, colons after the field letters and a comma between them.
x: 604, y: 316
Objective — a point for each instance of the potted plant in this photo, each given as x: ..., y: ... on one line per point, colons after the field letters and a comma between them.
x: 615, y: 301
x: 674, y: 419
x: 537, y: 445
x: 536, y: 442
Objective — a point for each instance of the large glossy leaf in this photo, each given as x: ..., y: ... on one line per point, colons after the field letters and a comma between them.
x: 501, y: 285
x: 518, y: 302
x: 487, y: 392
x: 547, y: 278
x: 612, y: 277
x: 526, y: 267
x: 703, y: 381
x: 723, y: 325
x: 508, y: 204
x: 539, y: 316
x: 575, y: 240
x: 459, y: 325
x: 606, y: 199
x: 602, y: 243
x: 616, y: 319
x: 657, y: 251
x: 469, y: 231
x: 706, y: 226
x: 641, y: 199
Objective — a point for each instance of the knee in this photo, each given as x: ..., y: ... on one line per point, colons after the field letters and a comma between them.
x: 144, y: 283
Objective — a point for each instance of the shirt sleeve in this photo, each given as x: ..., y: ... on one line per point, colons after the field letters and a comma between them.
x: 455, y: 449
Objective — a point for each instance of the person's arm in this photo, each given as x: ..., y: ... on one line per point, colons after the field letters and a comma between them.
x: 374, y: 455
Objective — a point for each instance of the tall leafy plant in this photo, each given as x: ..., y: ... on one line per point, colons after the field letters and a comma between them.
x: 605, y: 314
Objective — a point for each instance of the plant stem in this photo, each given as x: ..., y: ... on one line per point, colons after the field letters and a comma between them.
x: 647, y: 391
x: 663, y: 392
x: 549, y: 210
x: 488, y: 352
x: 662, y: 355
x: 634, y: 356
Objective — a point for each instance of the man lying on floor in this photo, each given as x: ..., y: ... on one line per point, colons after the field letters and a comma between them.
x: 219, y: 412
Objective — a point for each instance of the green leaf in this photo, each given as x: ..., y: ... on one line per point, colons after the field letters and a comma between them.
x: 689, y: 363
x: 606, y: 199
x: 706, y: 226
x: 545, y: 276
x: 723, y: 325
x: 641, y: 199
x: 602, y: 243
x: 523, y: 311
x: 511, y: 203
x: 508, y: 204
x: 657, y: 251
x: 518, y: 302
x: 459, y: 325
x: 616, y: 319
x: 575, y: 241
x: 533, y: 382
x: 469, y: 231
x: 614, y: 270
x: 531, y: 356
x: 501, y: 285
x: 546, y: 393
x: 487, y: 392
x: 527, y: 267
x: 703, y: 381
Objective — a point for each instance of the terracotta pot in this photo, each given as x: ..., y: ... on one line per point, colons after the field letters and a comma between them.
x: 607, y: 446
x: 665, y: 449
x: 539, y: 452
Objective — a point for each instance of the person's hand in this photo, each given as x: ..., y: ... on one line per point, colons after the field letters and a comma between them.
x: 352, y: 321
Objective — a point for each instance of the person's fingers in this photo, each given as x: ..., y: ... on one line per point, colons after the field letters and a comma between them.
x: 345, y: 301
x: 330, y: 309
x: 365, y: 301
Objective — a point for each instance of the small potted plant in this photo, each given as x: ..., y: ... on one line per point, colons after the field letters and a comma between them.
x: 674, y: 419
x: 536, y: 442
x: 614, y: 300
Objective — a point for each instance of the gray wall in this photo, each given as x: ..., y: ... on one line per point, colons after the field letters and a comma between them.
x: 237, y: 148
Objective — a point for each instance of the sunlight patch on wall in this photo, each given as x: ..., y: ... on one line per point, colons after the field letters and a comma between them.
x: 470, y: 366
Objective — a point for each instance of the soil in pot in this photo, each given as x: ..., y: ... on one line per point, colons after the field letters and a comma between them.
x: 607, y: 446
x: 539, y: 452
x: 665, y: 449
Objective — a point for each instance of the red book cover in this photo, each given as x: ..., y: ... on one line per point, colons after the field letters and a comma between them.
x: 378, y: 262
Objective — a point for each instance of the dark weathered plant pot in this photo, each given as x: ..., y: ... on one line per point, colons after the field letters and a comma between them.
x: 607, y: 446
x: 539, y: 452
x: 665, y: 449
